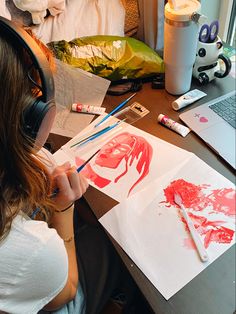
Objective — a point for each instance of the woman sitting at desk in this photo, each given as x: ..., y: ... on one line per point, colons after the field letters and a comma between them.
x: 51, y: 264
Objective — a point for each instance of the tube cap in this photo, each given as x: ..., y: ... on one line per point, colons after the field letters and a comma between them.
x: 175, y: 105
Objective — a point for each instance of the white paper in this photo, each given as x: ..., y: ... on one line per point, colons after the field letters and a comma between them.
x: 153, y: 158
x: 154, y: 235
x: 75, y: 85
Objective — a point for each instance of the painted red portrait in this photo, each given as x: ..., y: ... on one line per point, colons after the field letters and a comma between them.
x: 116, y: 158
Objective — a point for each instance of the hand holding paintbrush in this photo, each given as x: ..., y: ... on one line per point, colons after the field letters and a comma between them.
x: 80, y: 168
x: 69, y: 183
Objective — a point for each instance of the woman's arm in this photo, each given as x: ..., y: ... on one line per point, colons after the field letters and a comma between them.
x: 71, y: 186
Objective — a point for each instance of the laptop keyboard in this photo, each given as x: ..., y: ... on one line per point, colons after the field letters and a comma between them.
x: 226, y: 109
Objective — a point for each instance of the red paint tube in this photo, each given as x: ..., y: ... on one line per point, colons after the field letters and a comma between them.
x: 87, y: 109
x: 173, y: 125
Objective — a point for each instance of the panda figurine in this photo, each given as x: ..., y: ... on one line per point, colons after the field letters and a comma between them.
x: 209, y: 62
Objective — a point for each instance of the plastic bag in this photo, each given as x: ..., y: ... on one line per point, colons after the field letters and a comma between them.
x: 112, y: 57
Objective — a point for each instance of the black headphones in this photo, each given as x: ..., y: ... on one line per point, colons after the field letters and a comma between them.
x: 35, y: 112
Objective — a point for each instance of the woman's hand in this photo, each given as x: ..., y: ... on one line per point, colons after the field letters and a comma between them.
x: 69, y: 184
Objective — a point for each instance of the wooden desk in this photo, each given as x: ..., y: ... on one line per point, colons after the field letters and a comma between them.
x: 213, y: 290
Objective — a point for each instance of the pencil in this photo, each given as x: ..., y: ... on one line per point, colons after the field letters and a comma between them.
x: 115, y: 110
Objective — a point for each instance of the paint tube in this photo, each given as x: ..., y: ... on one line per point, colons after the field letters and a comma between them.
x: 187, y: 99
x: 173, y: 125
x: 87, y: 109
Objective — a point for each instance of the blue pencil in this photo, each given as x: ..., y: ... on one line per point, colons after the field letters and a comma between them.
x: 115, y: 110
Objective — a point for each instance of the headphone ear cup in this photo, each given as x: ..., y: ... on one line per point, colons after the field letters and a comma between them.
x: 33, y: 116
x: 36, y: 108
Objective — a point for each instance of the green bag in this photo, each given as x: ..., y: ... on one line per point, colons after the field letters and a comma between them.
x: 112, y: 57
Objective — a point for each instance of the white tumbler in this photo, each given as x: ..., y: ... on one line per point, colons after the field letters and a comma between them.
x: 180, y: 44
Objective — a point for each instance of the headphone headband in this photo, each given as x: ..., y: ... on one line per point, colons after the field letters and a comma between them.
x: 35, y: 112
x: 38, y: 57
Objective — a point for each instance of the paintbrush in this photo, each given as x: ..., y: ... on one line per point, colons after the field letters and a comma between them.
x: 87, y: 161
x: 78, y: 170
x: 195, y: 236
x: 97, y: 134
x: 115, y: 110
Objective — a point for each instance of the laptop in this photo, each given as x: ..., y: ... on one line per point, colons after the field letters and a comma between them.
x: 215, y: 123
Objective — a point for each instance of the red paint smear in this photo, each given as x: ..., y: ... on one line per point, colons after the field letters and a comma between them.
x: 221, y: 200
x: 124, y: 146
x: 212, y: 231
x: 219, y: 235
x: 192, y: 195
x: 203, y: 222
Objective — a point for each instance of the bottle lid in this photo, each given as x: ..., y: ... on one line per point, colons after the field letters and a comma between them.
x: 181, y: 10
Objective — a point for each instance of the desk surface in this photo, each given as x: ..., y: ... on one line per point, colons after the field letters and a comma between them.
x: 213, y: 290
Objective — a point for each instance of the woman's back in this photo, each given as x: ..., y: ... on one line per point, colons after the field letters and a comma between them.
x: 34, y: 266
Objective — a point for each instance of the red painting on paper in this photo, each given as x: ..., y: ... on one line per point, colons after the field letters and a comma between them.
x: 116, y: 158
x: 198, y: 198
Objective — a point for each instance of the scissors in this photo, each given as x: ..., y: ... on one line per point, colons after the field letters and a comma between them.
x: 208, y: 33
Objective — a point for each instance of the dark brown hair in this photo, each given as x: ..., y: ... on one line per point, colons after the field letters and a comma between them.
x: 24, y: 181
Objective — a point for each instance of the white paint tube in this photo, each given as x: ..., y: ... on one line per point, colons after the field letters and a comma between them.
x: 187, y: 99
x: 87, y: 109
x: 173, y: 125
